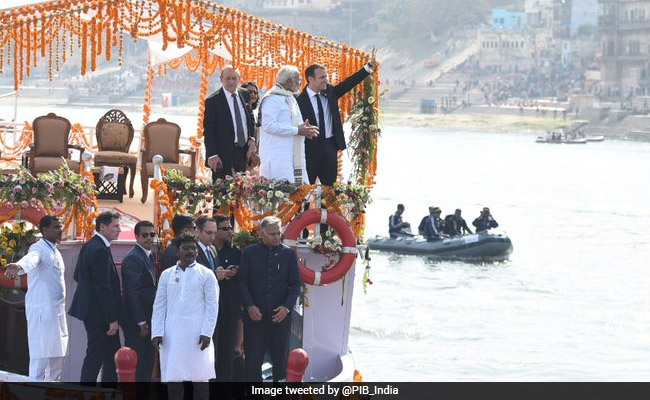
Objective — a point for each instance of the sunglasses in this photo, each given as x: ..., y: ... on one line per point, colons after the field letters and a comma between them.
x: 149, y: 234
x: 225, y: 228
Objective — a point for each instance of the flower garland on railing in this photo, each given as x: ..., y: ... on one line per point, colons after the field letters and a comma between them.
x: 366, y: 129
x: 250, y: 198
x: 162, y: 193
x: 61, y: 192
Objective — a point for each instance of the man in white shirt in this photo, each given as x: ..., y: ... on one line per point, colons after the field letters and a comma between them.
x: 283, y: 130
x: 47, y: 328
x: 184, y: 317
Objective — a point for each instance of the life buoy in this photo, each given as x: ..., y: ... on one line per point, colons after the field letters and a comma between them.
x: 18, y: 283
x: 342, y: 228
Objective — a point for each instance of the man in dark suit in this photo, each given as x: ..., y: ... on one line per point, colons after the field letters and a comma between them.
x: 269, y: 284
x: 319, y: 104
x: 229, y: 319
x: 97, y: 299
x: 207, y: 254
x: 139, y: 283
x: 228, y: 127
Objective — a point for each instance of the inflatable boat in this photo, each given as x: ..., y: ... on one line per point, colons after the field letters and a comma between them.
x: 481, y: 246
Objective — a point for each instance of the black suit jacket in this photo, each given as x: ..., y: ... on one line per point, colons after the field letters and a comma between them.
x: 97, y: 298
x: 333, y: 93
x: 202, y: 258
x: 168, y: 257
x: 218, y: 127
x: 139, y: 283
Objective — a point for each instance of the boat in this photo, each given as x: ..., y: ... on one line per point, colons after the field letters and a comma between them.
x: 541, y: 139
x: 480, y: 246
x: 321, y: 325
x: 598, y: 138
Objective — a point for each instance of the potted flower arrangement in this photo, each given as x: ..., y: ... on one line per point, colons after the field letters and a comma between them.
x: 15, y: 239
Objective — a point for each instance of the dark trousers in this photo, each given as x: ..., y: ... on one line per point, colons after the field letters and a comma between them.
x: 259, y: 335
x: 100, y: 353
x: 322, y: 160
x: 224, y: 338
x: 144, y: 348
x: 237, y: 163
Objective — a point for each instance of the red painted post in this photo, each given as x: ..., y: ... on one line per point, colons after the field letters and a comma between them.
x: 297, y: 363
x: 126, y: 360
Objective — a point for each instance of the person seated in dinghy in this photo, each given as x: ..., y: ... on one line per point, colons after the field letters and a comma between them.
x: 434, y: 228
x: 485, y: 221
x: 397, y: 227
x: 455, y: 224
x: 425, y: 220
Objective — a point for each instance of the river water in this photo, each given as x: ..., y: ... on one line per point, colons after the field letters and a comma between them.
x: 572, y: 302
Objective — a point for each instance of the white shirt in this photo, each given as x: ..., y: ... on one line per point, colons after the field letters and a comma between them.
x: 106, y: 242
x: 147, y: 252
x: 326, y: 111
x: 47, y: 328
x: 186, y: 307
x: 242, y: 113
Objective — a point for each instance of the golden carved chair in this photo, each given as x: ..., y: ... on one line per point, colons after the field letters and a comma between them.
x: 162, y: 137
x: 114, y: 134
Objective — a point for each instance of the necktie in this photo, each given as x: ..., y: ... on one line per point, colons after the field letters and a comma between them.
x: 241, y: 139
x: 210, y: 259
x: 321, y: 117
x: 153, y: 265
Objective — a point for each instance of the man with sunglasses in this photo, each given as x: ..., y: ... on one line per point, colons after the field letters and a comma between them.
x: 139, y: 291
x: 229, y: 304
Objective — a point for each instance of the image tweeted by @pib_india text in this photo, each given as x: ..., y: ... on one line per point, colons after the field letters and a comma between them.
x: 326, y: 389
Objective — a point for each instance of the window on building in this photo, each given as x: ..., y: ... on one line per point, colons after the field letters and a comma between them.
x: 635, y: 48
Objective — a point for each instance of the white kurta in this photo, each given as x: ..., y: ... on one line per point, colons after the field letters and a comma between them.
x: 186, y: 307
x: 47, y: 328
x: 276, y: 139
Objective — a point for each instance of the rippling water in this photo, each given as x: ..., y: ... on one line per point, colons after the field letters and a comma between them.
x: 572, y: 302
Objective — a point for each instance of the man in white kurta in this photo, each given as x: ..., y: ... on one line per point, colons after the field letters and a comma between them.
x: 47, y: 328
x: 283, y: 131
x: 184, y: 318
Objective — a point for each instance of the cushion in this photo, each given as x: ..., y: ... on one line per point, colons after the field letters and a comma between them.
x: 44, y: 164
x: 114, y: 137
x: 115, y: 158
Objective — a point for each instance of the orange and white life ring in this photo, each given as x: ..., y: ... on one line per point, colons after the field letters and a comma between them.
x: 19, y: 283
x: 348, y: 241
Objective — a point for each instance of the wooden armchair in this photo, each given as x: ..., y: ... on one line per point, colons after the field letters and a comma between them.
x: 162, y: 137
x: 114, y: 134
x: 50, y: 148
